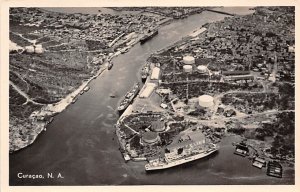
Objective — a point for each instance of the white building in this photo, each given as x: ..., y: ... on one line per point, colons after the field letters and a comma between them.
x: 148, y: 89
x: 155, y: 73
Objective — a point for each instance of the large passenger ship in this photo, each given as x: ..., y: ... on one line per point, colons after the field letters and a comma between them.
x: 183, y: 152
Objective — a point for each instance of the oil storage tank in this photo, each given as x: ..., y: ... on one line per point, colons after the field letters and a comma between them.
x: 188, y: 60
x: 39, y: 49
x: 150, y: 138
x: 202, y: 69
x: 187, y: 68
x: 29, y: 49
x: 206, y: 101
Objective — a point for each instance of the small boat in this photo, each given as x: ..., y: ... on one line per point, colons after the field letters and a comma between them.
x: 74, y: 100
x: 110, y: 65
x: 86, y: 88
x: 113, y: 95
x: 126, y: 157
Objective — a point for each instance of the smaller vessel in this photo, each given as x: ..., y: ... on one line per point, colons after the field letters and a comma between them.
x: 124, y: 50
x: 86, y: 88
x: 145, y: 72
x: 126, y: 157
x: 110, y: 65
x: 130, y: 95
x: 74, y: 100
x: 113, y: 94
x: 150, y: 34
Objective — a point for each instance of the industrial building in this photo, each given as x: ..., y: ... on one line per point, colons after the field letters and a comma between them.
x: 148, y: 89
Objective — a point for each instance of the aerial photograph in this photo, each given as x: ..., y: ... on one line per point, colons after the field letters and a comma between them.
x: 109, y: 96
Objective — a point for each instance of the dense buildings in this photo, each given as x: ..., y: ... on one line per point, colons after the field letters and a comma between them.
x: 228, y: 77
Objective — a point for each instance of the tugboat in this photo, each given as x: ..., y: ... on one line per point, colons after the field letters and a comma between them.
x: 110, y: 65
x: 130, y: 95
x: 149, y: 35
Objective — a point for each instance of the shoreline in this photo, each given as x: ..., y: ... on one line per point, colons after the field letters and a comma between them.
x: 50, y: 110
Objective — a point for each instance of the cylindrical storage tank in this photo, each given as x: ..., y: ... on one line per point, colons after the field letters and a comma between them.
x: 187, y: 68
x: 29, y: 49
x: 39, y: 50
x: 150, y: 137
x: 206, y: 101
x: 188, y: 60
x: 202, y: 68
x: 38, y: 46
x: 158, y: 126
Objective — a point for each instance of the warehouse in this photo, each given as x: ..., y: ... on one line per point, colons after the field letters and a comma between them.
x: 155, y: 73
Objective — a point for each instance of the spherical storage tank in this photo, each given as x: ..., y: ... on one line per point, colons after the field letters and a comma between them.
x: 202, y: 68
x: 188, y: 60
x: 150, y: 137
x: 187, y: 68
x: 206, y: 101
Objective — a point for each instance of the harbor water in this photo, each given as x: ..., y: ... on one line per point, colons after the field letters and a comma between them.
x: 80, y: 143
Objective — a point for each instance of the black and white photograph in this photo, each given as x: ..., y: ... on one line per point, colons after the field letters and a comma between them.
x: 151, y: 95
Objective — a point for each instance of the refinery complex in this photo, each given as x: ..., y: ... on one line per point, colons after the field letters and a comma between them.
x: 125, y: 92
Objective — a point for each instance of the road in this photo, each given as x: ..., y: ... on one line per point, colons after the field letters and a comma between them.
x: 28, y: 99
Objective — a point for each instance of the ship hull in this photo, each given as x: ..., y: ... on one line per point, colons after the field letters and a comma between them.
x: 181, y: 161
x: 143, y: 40
x: 123, y: 107
x: 144, y: 79
x: 110, y: 66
